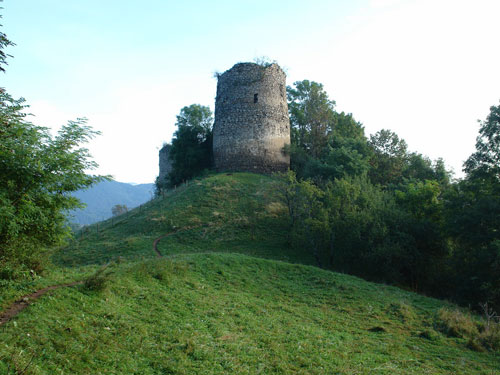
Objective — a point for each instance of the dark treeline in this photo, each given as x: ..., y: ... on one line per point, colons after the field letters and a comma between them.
x: 370, y: 207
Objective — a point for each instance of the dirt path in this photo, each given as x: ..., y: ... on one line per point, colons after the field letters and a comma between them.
x: 27, y: 300
x: 18, y: 306
x: 155, y: 242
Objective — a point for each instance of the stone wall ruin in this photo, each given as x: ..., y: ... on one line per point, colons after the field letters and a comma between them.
x: 251, y: 125
x: 165, y: 163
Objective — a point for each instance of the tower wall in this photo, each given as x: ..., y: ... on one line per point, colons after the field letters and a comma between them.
x: 165, y: 163
x: 251, y: 119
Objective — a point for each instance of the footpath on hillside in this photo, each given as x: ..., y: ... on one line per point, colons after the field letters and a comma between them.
x: 16, y: 307
x: 19, y: 305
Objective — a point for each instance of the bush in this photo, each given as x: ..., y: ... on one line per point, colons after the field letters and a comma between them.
x: 455, y: 323
x: 38, y: 173
x: 490, y: 337
x: 480, y: 334
x: 98, y: 281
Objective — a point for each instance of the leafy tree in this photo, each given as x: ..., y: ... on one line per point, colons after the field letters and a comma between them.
x: 473, y: 222
x: 305, y: 211
x: 421, y: 200
x: 119, y: 209
x: 392, y: 164
x: 198, y: 117
x: 366, y: 230
x: 191, y: 150
x: 389, y: 157
x: 346, y: 153
x: 421, y: 168
x: 37, y: 173
x: 4, y: 42
x: 473, y: 213
x: 311, y: 116
x: 485, y: 162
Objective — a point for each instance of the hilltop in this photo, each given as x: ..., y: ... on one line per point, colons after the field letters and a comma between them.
x: 237, y: 212
x: 228, y: 296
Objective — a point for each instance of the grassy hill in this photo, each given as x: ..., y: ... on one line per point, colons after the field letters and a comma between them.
x: 214, y: 305
x: 225, y: 213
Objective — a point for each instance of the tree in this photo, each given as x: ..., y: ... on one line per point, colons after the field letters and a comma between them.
x: 4, y: 42
x: 473, y: 222
x: 37, y: 173
x: 311, y: 116
x: 485, y: 162
x: 191, y: 150
x: 473, y: 219
x: 389, y: 157
x: 365, y: 230
x: 119, y: 209
x: 422, y: 201
x: 198, y: 117
x: 305, y: 212
x: 325, y: 144
x: 348, y: 153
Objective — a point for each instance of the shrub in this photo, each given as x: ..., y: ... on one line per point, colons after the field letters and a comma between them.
x: 455, y: 323
x: 98, y: 281
x: 480, y: 334
x: 490, y: 337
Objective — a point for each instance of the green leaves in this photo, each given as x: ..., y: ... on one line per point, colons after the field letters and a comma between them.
x: 485, y: 162
x: 4, y: 42
x: 191, y: 151
x: 311, y: 116
x: 37, y: 173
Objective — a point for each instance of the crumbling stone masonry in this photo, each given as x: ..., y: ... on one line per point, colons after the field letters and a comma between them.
x: 251, y: 119
x: 165, y: 163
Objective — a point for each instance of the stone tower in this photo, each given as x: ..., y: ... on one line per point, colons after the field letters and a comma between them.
x: 165, y: 163
x: 251, y: 119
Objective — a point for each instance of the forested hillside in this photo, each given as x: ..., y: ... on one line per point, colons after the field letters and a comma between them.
x: 369, y: 206
x: 102, y: 197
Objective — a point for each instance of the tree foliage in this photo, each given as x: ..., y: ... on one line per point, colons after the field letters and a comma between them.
x: 325, y: 144
x: 191, y: 150
x: 119, y: 209
x: 377, y: 210
x: 311, y: 116
x: 4, y: 42
x: 37, y: 173
x: 389, y: 157
x: 485, y: 162
x: 473, y: 219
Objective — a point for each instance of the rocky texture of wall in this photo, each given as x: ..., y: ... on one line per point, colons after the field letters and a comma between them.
x: 251, y: 119
x: 165, y: 163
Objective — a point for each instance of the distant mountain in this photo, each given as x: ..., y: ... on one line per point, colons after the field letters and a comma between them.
x: 102, y: 197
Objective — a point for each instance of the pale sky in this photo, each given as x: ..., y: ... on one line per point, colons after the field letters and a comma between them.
x: 424, y: 69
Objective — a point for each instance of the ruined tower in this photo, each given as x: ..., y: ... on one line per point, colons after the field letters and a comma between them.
x: 251, y: 119
x: 165, y: 163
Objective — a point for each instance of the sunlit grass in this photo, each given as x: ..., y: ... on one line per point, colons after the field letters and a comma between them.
x: 214, y: 305
x: 229, y: 313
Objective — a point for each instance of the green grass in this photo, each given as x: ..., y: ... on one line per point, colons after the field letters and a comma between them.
x: 232, y: 213
x: 229, y: 313
x: 214, y: 305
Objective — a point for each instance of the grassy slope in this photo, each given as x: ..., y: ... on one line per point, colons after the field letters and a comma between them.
x: 229, y: 313
x: 213, y: 313
x: 230, y: 213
